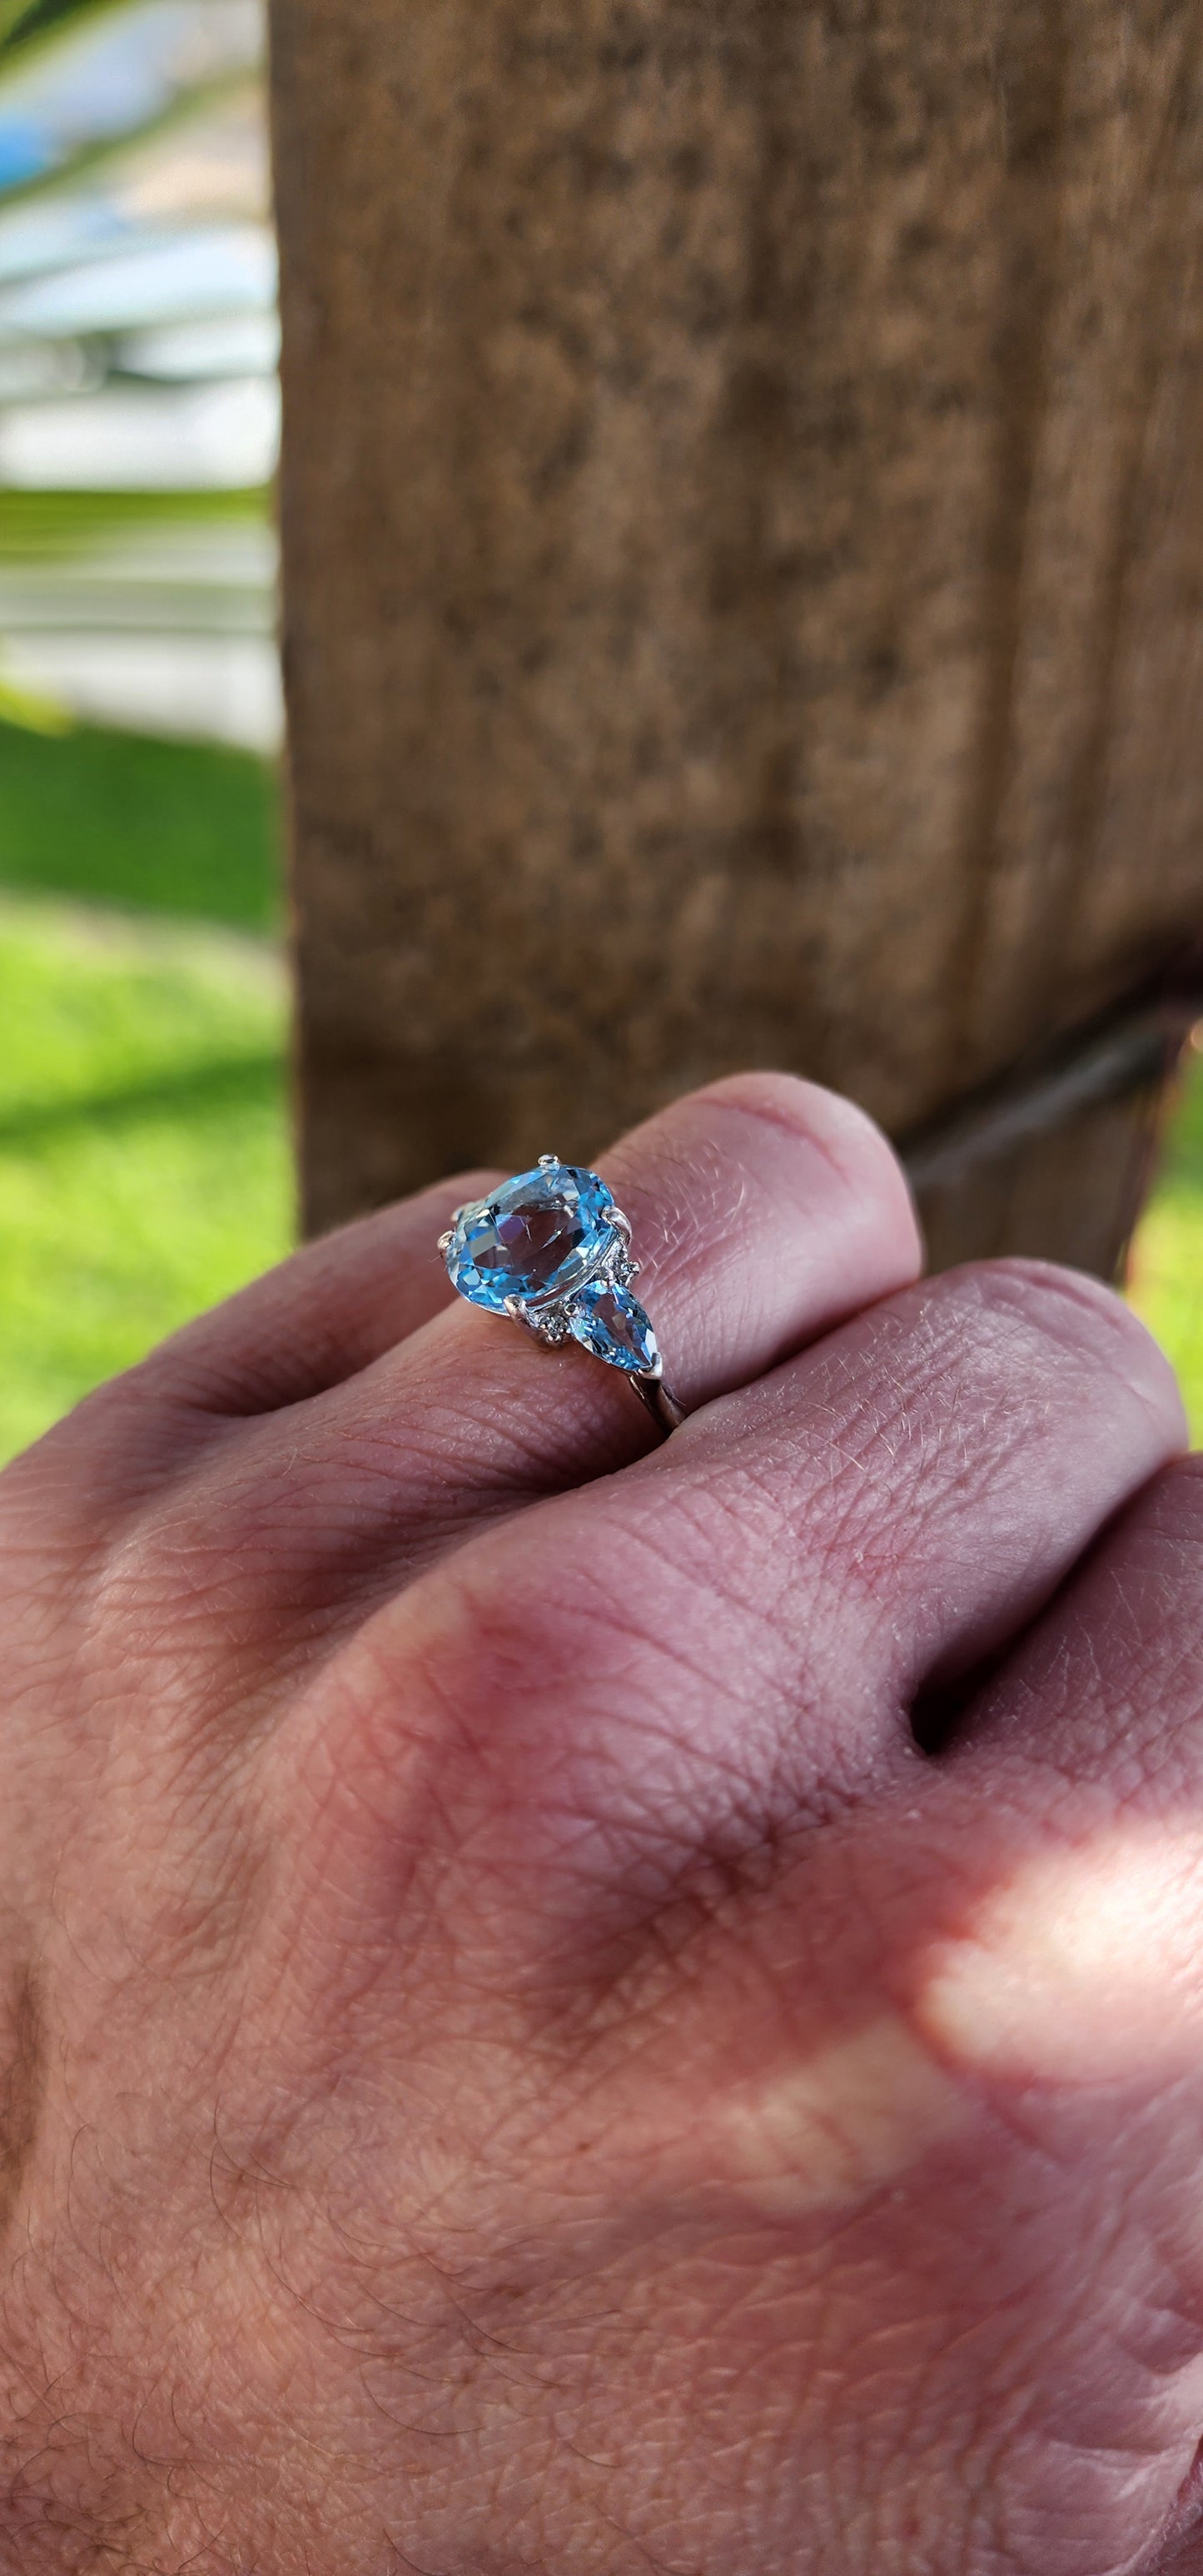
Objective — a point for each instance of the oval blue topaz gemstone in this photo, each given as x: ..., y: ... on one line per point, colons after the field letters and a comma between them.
x: 612, y: 1324
x: 537, y: 1238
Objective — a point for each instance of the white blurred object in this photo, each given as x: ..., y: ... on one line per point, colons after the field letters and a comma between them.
x: 233, y: 344
x: 208, y: 271
x: 168, y: 627
x: 216, y: 688
x: 187, y: 575
x: 212, y: 437
x: 30, y: 369
x: 138, y: 348
x: 51, y: 231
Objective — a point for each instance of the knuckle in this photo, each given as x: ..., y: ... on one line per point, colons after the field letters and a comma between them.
x: 1175, y: 1500
x: 1161, y: 1537
x: 813, y: 1115
x: 836, y: 1157
x: 1066, y: 1321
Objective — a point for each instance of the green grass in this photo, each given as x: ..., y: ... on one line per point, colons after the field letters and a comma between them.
x: 144, y: 1154
x: 145, y: 1166
x: 180, y: 827
x: 1166, y: 1282
x: 36, y: 527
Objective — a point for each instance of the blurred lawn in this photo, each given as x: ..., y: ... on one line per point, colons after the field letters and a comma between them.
x: 37, y: 526
x: 144, y: 1147
x: 1166, y: 1276
x: 177, y: 827
x: 144, y: 1151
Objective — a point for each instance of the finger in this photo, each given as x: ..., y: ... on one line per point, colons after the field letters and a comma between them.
x: 763, y: 1210
x: 1076, y: 1954
x: 316, y: 1319
x: 1111, y: 1680
x: 727, y: 1642
x: 323, y: 1315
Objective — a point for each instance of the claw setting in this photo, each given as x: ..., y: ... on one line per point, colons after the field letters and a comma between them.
x: 550, y: 1250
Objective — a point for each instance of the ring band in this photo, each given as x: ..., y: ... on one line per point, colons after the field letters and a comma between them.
x: 550, y: 1250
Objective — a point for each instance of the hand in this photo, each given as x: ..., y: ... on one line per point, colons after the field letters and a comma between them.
x: 513, y: 2057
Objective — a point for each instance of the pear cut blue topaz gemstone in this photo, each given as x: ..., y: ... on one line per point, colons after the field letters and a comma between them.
x: 612, y: 1324
x: 537, y: 1238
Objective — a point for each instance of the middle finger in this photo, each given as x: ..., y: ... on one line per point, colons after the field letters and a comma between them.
x: 730, y: 1640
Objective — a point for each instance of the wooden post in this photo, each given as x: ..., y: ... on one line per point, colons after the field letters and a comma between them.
x: 743, y: 558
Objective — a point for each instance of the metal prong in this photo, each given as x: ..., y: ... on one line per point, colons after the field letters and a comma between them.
x: 446, y: 1240
x: 547, y: 1162
x: 517, y: 1313
x: 620, y: 1223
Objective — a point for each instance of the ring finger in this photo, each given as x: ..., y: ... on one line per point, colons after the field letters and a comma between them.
x: 764, y: 1210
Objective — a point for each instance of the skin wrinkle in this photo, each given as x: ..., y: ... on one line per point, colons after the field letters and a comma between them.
x: 875, y: 1422
x: 765, y: 1102
x: 243, y: 1576
x: 455, y: 1456
x: 85, y: 1500
x: 598, y: 1616
x: 337, y: 1300
x: 609, y: 1613
x: 960, y: 1496
x: 1090, y: 1714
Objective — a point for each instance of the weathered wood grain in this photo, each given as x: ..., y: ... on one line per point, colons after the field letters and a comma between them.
x: 743, y: 552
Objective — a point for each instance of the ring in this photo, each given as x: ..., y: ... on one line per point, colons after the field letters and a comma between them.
x: 550, y: 1250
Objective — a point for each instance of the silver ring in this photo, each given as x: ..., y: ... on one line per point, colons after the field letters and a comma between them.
x: 550, y: 1250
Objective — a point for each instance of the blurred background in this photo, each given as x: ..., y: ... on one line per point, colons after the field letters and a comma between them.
x: 144, y: 1151
x: 145, y: 1165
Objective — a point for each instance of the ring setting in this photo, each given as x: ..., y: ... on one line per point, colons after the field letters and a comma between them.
x: 550, y: 1249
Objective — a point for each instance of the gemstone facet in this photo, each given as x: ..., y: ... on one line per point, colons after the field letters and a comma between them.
x: 611, y: 1323
x: 535, y: 1240
x: 551, y: 1250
